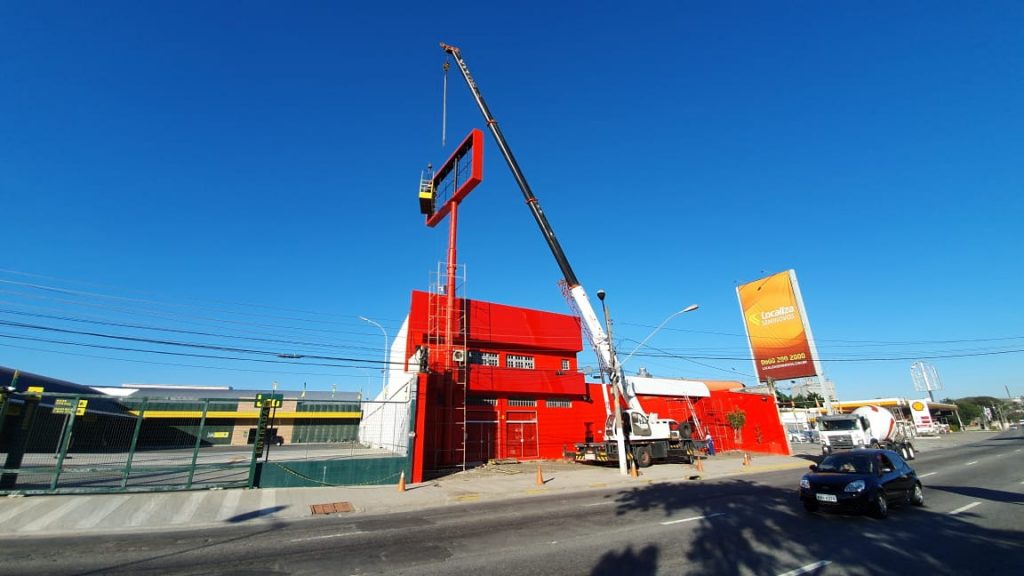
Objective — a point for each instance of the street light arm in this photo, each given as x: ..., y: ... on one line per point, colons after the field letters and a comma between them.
x: 385, y: 368
x: 689, y: 308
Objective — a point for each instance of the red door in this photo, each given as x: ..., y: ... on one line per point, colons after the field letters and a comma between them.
x: 481, y: 436
x: 521, y: 435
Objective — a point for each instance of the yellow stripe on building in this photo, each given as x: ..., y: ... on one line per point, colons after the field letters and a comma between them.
x: 248, y: 415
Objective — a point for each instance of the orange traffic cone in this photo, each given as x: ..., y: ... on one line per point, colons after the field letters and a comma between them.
x: 746, y: 459
x: 699, y: 464
x: 634, y: 470
x: 540, y: 476
x: 401, y: 482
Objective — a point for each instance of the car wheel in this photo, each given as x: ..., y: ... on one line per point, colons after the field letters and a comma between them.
x: 643, y: 457
x: 904, y: 453
x: 810, y: 507
x: 917, y: 497
x: 881, y: 507
x: 910, y: 452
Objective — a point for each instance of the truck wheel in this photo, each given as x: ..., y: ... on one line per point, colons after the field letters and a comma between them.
x: 910, y: 452
x: 917, y: 497
x: 880, y: 508
x: 874, y: 445
x: 643, y: 457
x: 904, y: 452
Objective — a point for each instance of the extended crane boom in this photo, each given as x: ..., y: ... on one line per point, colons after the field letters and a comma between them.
x: 598, y: 335
x: 642, y: 436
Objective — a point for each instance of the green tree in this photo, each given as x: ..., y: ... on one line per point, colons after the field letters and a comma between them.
x: 737, y: 418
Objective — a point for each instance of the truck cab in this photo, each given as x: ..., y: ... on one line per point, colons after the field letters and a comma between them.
x: 843, y: 432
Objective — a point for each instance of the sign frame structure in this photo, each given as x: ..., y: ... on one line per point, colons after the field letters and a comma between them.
x: 786, y: 351
x: 469, y: 155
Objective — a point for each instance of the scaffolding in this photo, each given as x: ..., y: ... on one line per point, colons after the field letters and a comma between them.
x: 447, y: 339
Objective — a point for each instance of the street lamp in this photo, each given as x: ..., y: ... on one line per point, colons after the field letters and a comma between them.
x: 689, y: 308
x: 384, y: 373
x: 616, y: 376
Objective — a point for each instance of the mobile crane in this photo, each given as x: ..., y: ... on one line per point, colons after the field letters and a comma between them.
x: 648, y: 436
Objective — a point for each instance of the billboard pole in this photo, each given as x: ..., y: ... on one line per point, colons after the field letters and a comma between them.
x: 810, y: 341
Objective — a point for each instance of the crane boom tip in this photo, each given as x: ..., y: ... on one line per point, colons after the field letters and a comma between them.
x: 449, y: 48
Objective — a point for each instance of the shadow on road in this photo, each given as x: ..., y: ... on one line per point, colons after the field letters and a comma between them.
x: 742, y: 527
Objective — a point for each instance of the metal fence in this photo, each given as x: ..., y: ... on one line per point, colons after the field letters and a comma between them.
x: 52, y: 443
x: 67, y: 443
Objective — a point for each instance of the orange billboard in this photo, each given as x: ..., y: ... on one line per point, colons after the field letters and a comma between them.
x: 777, y: 329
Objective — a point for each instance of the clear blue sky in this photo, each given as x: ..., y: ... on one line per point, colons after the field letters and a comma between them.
x: 248, y: 170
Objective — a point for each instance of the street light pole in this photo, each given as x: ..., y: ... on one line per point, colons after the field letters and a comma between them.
x: 384, y: 372
x: 617, y: 380
x: 689, y: 308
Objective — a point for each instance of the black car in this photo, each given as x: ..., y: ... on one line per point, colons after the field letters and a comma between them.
x: 861, y: 480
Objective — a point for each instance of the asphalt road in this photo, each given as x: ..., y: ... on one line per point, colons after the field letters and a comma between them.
x: 971, y: 524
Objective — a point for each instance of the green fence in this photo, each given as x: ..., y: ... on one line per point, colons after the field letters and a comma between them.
x: 65, y: 443
x: 69, y: 443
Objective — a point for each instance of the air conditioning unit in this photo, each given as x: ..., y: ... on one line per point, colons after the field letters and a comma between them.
x: 459, y: 356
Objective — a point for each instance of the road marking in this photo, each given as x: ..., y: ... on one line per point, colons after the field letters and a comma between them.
x: 806, y: 569
x: 965, y: 508
x: 971, y: 463
x: 327, y: 536
x: 692, y: 519
x: 599, y: 504
x: 927, y: 475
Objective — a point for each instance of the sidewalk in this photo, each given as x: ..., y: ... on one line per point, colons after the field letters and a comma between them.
x: 111, y: 513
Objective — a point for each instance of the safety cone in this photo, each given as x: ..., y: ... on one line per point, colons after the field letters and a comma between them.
x: 401, y: 482
x: 699, y: 464
x: 746, y: 459
x: 634, y: 471
x: 540, y: 476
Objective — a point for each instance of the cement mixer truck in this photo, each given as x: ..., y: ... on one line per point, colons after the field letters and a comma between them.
x: 865, y: 427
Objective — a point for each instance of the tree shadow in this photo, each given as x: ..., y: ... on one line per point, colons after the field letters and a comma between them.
x: 983, y: 493
x: 742, y: 527
x: 642, y: 563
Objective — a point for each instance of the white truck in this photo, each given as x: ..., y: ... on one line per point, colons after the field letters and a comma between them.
x: 866, y: 427
x: 647, y: 437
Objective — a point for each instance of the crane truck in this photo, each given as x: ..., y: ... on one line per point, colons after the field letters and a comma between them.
x: 632, y: 433
x: 866, y: 427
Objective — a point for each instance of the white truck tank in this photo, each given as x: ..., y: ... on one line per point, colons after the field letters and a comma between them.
x: 882, y: 422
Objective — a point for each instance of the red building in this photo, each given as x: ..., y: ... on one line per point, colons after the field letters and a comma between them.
x: 501, y: 382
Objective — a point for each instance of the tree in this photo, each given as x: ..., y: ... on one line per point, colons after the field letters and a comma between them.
x: 737, y: 418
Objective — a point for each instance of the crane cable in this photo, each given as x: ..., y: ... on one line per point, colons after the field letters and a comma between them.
x: 444, y: 105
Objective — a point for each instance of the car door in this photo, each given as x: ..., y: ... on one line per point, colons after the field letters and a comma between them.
x: 893, y: 477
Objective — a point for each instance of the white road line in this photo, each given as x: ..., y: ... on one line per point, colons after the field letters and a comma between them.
x: 327, y: 536
x: 670, y: 522
x: 965, y: 508
x: 806, y: 569
x: 599, y: 504
x: 927, y: 475
x: 971, y: 463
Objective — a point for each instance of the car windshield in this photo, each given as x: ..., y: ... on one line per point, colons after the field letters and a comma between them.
x: 846, y: 464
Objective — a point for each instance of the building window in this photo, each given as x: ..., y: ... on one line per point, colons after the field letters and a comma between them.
x: 483, y: 358
x: 521, y: 403
x: 478, y: 401
x: 558, y: 403
x: 516, y: 361
x: 565, y: 365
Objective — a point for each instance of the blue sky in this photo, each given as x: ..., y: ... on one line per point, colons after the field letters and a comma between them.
x: 248, y: 170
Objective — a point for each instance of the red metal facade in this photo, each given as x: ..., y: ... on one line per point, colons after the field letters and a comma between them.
x: 478, y: 412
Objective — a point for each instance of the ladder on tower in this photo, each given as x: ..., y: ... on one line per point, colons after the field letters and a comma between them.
x: 439, y: 318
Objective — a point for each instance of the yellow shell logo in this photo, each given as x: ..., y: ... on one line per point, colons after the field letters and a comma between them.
x: 917, y: 406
